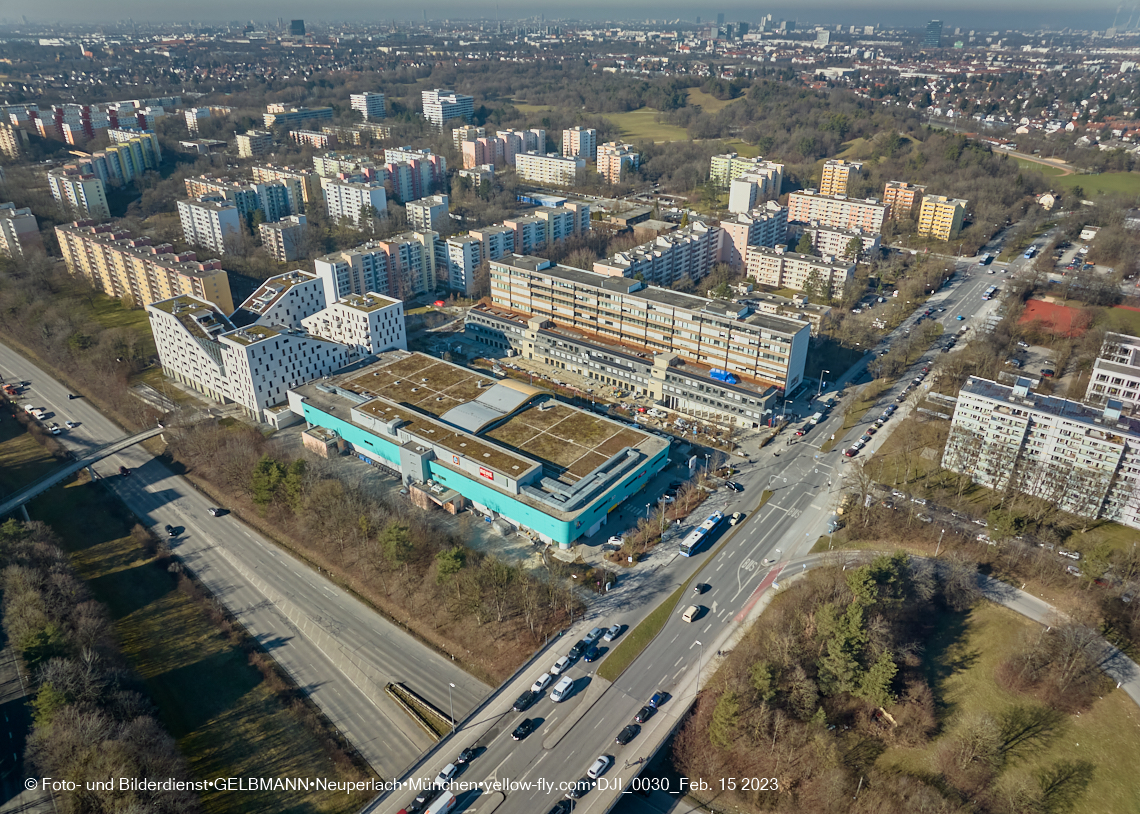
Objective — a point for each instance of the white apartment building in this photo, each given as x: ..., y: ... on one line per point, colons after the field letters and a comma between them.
x: 400, y: 266
x: 19, y: 231
x: 781, y: 268
x: 466, y: 132
x: 253, y: 143
x: 253, y: 366
x: 370, y: 105
x: 283, y: 238
x: 764, y: 226
x: 81, y: 193
x: 442, y: 106
x: 428, y: 213
x: 748, y: 191
x: 464, y: 254
x: 347, y: 199
x: 723, y: 168
x: 210, y: 221
x: 1084, y: 460
x: 549, y: 169
x: 617, y: 161
x: 366, y: 323
x: 285, y: 299
x: 1116, y: 372
x: 275, y: 199
x: 838, y: 210
x: 580, y: 142
x: 498, y: 241
x: 835, y: 241
x: 356, y: 271
x: 686, y: 254
x: 304, y: 186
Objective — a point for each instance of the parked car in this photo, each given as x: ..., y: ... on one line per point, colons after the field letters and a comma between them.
x: 851, y: 453
x: 615, y: 540
x: 71, y: 425
x: 577, y: 650
x: 612, y: 633
x: 735, y: 518
x: 1048, y: 373
x: 645, y: 713
x: 594, y: 635
x: 734, y: 486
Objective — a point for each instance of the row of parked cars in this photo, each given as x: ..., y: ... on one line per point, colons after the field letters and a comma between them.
x: 853, y: 450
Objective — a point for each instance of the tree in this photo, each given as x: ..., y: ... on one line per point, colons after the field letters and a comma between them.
x: 805, y: 246
x: 724, y: 719
x: 854, y: 247
x: 267, y: 476
x: 396, y: 544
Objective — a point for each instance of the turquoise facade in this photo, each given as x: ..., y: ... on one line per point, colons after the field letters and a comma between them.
x: 563, y: 532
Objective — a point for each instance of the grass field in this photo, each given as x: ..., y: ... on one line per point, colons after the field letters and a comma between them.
x: 707, y: 102
x: 961, y: 672
x: 23, y: 460
x: 525, y: 108
x: 741, y: 148
x: 214, y: 703
x: 1122, y: 320
x: 1127, y: 183
x: 1044, y: 169
x: 641, y: 125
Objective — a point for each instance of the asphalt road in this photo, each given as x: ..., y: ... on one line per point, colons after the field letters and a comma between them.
x: 336, y: 648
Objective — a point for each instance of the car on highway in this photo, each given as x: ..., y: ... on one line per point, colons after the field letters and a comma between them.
x: 734, y: 486
x: 735, y: 518
x: 124, y: 471
x: 467, y: 755
x: 541, y: 683
x: 71, y: 425
x: 658, y: 699
x: 216, y: 511
x: 579, y: 789
x: 523, y: 702
x: 169, y: 529
x: 627, y: 734
x: 599, y: 766
x: 523, y: 729
x: 802, y: 431
x: 593, y: 653
x: 561, y: 666
x: 562, y: 807
x: 959, y: 317
x: 54, y: 429
x: 699, y: 588
x: 578, y: 648
x: 645, y: 713
x: 446, y: 775
x: 422, y: 799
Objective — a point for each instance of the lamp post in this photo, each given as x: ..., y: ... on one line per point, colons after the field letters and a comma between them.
x: 700, y: 658
x: 786, y: 403
x: 647, y: 507
x: 451, y: 704
x: 939, y: 546
x: 820, y: 390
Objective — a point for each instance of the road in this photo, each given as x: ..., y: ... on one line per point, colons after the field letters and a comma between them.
x: 336, y: 648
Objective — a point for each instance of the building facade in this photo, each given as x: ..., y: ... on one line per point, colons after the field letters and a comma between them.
x: 210, y: 221
x: 428, y: 213
x: 903, y: 199
x: 617, y: 161
x: 441, y: 106
x: 780, y: 268
x: 83, y: 194
x: 19, y: 232
x: 369, y: 105
x: 366, y: 323
x: 549, y: 169
x: 846, y: 213
x: 941, y: 217
x: 580, y: 142
x: 836, y: 175
x: 124, y: 267
x: 351, y: 199
x: 254, y: 143
x: 280, y: 115
x: 283, y: 239
x: 685, y: 254
x: 763, y: 226
x: 313, y: 138
x: 837, y: 242
x: 723, y: 168
x: 1084, y: 460
x: 1116, y: 372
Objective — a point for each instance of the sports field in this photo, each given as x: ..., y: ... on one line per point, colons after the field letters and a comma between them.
x: 1127, y: 183
x: 1057, y: 319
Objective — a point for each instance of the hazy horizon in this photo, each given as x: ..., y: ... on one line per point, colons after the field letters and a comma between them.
x: 1019, y: 14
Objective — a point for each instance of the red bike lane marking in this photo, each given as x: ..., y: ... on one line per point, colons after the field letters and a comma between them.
x: 765, y: 583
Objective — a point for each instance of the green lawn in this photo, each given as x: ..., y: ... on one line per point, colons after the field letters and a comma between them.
x: 1045, y: 169
x: 641, y: 125
x: 215, y: 704
x: 741, y: 148
x: 1122, y: 320
x: 1124, y: 182
x: 963, y: 662
x: 706, y: 101
x: 525, y: 108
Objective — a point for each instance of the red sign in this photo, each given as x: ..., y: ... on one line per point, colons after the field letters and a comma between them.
x: 486, y: 473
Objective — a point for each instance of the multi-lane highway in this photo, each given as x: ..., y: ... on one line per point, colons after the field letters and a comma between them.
x: 340, y: 651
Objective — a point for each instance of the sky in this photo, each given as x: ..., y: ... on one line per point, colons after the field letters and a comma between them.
x: 975, y: 14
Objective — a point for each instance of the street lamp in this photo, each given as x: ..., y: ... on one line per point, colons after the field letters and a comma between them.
x: 451, y: 704
x: 820, y: 390
x: 647, y: 506
x: 707, y: 456
x: 700, y: 658
x: 939, y: 546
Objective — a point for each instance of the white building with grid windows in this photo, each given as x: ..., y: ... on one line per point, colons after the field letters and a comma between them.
x: 210, y: 221
x: 1116, y: 372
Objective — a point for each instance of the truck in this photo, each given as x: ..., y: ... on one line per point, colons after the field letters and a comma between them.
x: 441, y: 804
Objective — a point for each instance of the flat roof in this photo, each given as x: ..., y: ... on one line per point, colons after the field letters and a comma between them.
x: 196, y: 315
x: 1052, y: 405
x: 367, y: 302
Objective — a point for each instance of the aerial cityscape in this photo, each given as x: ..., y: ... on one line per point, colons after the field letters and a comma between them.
x: 486, y: 410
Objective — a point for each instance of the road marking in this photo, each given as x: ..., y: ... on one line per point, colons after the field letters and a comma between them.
x: 720, y: 566
x: 677, y: 674
x: 679, y: 660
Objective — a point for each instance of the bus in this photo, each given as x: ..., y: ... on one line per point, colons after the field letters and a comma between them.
x: 989, y: 292
x: 985, y: 259
x: 696, y: 538
x: 1030, y: 252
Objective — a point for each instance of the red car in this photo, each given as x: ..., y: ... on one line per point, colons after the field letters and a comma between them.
x: 851, y: 453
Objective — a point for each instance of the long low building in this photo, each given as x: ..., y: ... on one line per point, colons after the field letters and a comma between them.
x: 461, y: 439
x: 780, y: 268
x: 717, y: 334
x: 687, y: 389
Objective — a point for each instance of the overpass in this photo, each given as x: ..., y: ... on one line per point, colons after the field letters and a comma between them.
x: 67, y: 470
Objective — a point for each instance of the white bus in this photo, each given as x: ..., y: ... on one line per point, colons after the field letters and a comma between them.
x: 696, y: 538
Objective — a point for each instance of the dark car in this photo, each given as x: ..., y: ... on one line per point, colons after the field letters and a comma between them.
x: 579, y: 648
x: 1047, y: 373
x: 169, y: 530
x: 562, y: 807
x: 467, y: 755
x: 525, y: 700
x: 216, y: 511
x: 851, y: 453
x: 422, y: 799
x: 734, y: 486
x: 579, y: 789
x: 592, y: 653
x: 699, y: 588
x: 627, y: 734
x: 659, y: 698
x: 124, y: 471
x: 644, y: 714
x: 523, y: 729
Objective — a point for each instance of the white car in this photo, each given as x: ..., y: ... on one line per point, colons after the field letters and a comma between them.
x: 71, y: 425
x: 612, y: 633
x: 561, y: 666
x: 615, y: 540
x: 599, y: 766
x: 541, y: 683
x: 444, y: 777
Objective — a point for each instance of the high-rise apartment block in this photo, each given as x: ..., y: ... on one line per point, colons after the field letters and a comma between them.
x: 464, y: 256
x: 485, y: 150
x: 840, y: 242
x: 13, y: 140
x: 82, y: 193
x: 415, y: 173
x: 708, y: 333
x: 125, y: 267
x: 781, y: 268
x: 254, y: 143
x: 275, y: 199
x: 1081, y: 459
x: 282, y: 239
x: 277, y: 115
x: 580, y: 142
x: 933, y: 37
x: 847, y: 213
x: 941, y: 217
x: 723, y: 168
x: 195, y: 115
x: 441, y: 106
x: 367, y: 323
x: 400, y: 266
x: 357, y: 134
x: 147, y: 141
x: 1116, y: 372
x: 903, y: 199
x: 351, y: 199
x: 304, y: 185
x: 210, y: 221
x: 836, y: 174
x: 686, y: 254
x: 549, y: 169
x: 747, y: 191
x: 369, y: 105
x: 617, y: 161
x: 467, y: 132
x: 525, y: 141
x: 766, y: 225
x: 19, y: 232
x: 428, y: 213
x: 313, y: 138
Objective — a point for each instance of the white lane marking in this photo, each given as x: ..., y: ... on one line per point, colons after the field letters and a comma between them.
x: 679, y: 661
